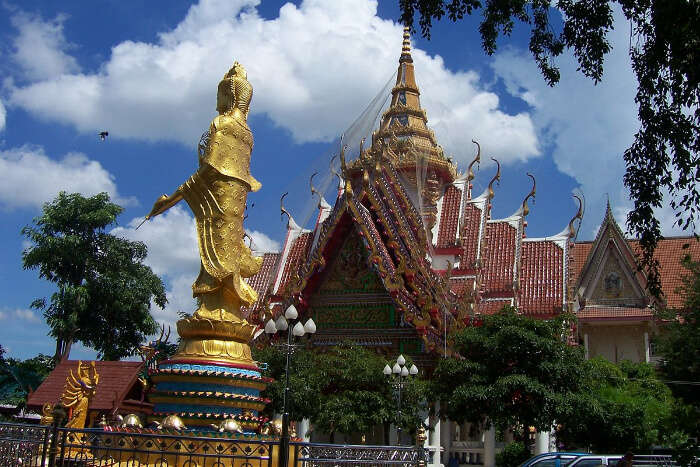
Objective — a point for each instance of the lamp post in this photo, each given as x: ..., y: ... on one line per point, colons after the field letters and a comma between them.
x: 397, y: 376
x: 288, y: 322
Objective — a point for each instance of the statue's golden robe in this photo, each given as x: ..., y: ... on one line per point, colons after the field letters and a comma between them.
x: 216, y: 195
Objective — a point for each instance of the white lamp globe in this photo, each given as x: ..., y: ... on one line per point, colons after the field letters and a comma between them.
x: 281, y: 324
x: 387, y: 370
x: 310, y: 326
x: 413, y: 370
x: 270, y: 327
x: 298, y: 330
x: 291, y: 312
x: 396, y: 369
x: 401, y: 361
x: 404, y: 371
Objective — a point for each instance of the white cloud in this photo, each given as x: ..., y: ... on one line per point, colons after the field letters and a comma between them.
x: 3, y: 115
x: 171, y: 239
x: 20, y: 314
x: 173, y: 254
x: 314, y: 68
x: 262, y: 243
x: 75, y: 172
x: 40, y: 47
x: 588, y: 126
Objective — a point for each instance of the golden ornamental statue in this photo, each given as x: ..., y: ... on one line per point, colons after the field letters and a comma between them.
x: 80, y: 388
x: 216, y: 193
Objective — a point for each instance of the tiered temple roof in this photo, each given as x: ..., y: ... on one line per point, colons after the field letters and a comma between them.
x: 440, y: 260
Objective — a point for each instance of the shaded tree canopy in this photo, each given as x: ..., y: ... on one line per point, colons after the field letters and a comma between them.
x: 627, y: 408
x: 679, y: 345
x: 19, y: 377
x: 340, y: 390
x: 665, y: 52
x: 104, y: 290
x: 514, y: 371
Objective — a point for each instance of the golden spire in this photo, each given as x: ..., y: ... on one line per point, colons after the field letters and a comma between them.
x: 406, y: 49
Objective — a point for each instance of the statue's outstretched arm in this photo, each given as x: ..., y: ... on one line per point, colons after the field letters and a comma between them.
x: 164, y: 203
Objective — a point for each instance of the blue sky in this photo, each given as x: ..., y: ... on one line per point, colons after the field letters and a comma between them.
x: 148, y: 75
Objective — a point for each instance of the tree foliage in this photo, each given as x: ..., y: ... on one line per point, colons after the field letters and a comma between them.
x: 104, y: 290
x: 19, y: 377
x: 514, y: 371
x: 665, y: 52
x: 340, y: 390
x: 679, y: 344
x: 627, y: 408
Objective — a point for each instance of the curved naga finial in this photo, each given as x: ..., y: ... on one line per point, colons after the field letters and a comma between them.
x: 314, y: 191
x: 526, y: 208
x: 335, y: 172
x: 282, y: 208
x: 343, y: 166
x: 496, y: 177
x: 477, y: 161
x: 579, y: 215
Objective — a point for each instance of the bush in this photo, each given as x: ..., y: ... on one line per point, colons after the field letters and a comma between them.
x: 512, y: 455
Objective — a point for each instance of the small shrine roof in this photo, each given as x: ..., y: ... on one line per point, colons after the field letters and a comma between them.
x: 449, y: 217
x: 597, y: 313
x: 669, y: 252
x: 116, y: 381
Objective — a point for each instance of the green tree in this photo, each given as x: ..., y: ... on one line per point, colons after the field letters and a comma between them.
x: 513, y: 371
x: 341, y: 390
x: 627, y: 408
x: 104, y: 290
x: 680, y: 346
x: 18, y: 378
x: 665, y: 52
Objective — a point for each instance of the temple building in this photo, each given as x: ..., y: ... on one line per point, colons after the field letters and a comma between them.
x: 407, y: 253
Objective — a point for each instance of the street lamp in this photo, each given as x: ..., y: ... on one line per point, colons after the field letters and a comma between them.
x: 288, y: 322
x: 397, y: 376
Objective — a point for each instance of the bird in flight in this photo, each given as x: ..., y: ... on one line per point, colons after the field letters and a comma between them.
x: 103, y: 135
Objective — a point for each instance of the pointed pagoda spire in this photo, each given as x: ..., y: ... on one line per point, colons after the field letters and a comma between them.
x: 405, y: 116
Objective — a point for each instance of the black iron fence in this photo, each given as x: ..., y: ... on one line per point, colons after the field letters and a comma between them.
x: 31, y: 445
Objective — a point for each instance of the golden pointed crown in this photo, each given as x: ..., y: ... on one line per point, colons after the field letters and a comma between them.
x: 234, y: 91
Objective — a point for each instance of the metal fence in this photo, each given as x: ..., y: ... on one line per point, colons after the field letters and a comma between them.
x: 31, y: 445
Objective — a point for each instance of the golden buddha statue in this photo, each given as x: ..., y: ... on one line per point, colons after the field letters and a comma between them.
x: 216, y: 193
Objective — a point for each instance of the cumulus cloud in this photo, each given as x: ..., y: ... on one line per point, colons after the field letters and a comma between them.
x: 75, y: 172
x: 173, y: 254
x: 3, y: 115
x: 262, y: 243
x: 587, y: 126
x: 40, y: 47
x: 314, y: 68
x: 19, y: 314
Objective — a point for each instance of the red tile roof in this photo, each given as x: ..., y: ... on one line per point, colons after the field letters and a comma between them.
x: 461, y: 285
x: 470, y: 235
x: 499, y: 257
x: 261, y: 281
x: 297, y: 254
x: 491, y: 307
x: 579, y: 255
x: 449, y: 217
x: 595, y: 313
x: 669, y: 252
x: 541, y: 278
x: 116, y: 380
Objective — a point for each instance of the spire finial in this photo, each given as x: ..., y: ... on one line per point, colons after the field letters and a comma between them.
x: 406, y: 49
